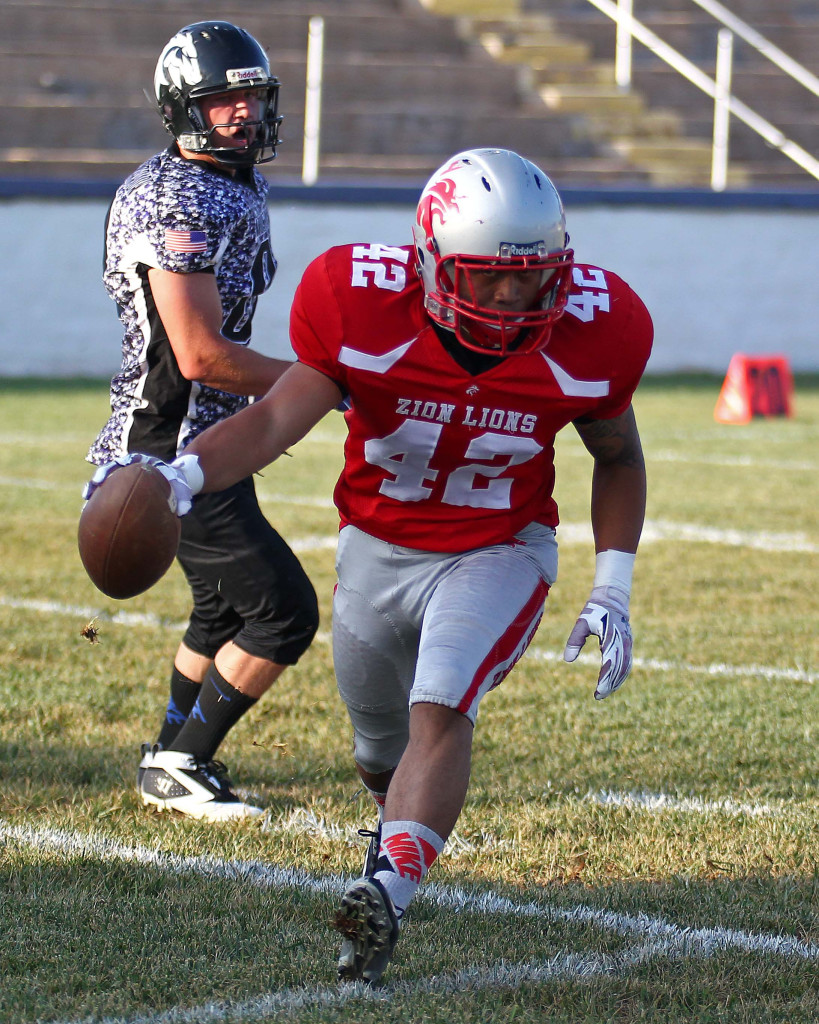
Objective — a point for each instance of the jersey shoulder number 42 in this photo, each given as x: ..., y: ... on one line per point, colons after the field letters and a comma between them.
x: 369, y: 266
x: 590, y: 294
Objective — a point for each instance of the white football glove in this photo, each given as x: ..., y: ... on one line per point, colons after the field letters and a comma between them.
x: 174, y: 474
x: 606, y: 617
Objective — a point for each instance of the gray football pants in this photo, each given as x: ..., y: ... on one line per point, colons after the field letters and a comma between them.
x: 417, y: 626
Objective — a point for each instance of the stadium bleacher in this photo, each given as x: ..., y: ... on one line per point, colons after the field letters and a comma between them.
x: 408, y: 82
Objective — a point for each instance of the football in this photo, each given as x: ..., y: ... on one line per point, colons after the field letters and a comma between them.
x: 128, y: 532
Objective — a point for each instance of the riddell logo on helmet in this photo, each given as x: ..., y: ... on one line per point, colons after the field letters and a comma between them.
x: 506, y: 249
x: 236, y: 75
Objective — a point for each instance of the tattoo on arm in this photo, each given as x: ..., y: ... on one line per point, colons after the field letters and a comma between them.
x: 613, y: 441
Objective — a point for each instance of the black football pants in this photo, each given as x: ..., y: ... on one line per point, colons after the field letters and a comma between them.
x: 247, y: 584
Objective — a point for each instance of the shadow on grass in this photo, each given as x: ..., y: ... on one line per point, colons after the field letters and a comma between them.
x: 37, y: 776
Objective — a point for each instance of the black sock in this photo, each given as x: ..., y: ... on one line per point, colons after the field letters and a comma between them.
x: 218, y: 708
x: 183, y: 696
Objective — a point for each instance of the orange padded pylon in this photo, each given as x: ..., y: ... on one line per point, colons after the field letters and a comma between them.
x: 755, y: 386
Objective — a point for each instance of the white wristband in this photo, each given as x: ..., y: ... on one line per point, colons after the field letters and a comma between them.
x: 614, y: 569
x: 188, y: 466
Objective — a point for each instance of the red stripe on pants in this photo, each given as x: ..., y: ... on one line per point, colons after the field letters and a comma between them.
x: 526, y: 622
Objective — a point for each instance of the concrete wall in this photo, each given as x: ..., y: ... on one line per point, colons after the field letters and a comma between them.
x: 717, y: 281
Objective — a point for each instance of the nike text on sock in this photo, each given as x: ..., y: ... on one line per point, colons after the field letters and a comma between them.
x: 408, y: 850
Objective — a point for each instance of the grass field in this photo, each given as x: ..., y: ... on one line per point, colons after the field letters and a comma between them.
x: 654, y: 857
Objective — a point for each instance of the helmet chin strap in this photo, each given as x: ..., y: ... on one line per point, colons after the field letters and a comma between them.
x: 479, y: 336
x: 473, y: 334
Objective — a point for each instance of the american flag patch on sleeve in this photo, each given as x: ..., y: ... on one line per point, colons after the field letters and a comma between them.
x: 185, y: 241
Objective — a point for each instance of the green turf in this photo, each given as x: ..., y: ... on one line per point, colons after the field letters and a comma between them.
x: 103, y: 917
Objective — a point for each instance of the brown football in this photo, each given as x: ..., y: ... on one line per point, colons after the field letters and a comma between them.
x: 129, y: 532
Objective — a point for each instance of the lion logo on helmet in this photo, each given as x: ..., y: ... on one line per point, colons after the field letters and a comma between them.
x: 179, y: 64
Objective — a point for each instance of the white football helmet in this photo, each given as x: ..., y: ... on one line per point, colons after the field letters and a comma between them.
x: 491, y: 212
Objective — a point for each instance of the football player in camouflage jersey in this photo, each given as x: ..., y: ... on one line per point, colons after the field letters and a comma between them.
x: 187, y: 254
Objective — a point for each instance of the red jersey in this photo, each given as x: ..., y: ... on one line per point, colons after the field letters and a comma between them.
x: 437, y: 458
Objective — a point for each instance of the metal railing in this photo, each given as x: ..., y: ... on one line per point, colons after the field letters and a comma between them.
x: 719, y: 87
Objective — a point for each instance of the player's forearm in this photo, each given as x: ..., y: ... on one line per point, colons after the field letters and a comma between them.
x: 240, y: 371
x: 618, y: 506
x: 253, y: 438
x: 235, y: 448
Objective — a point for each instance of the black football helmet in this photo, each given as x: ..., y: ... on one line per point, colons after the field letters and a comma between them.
x: 213, y: 57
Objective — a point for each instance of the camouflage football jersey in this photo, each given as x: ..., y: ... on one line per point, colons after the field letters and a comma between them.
x: 184, y: 216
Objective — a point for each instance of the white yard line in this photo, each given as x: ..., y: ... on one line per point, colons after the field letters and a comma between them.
x: 658, y: 803
x: 31, y: 483
x: 656, y: 530
x: 741, y: 461
x: 656, y: 937
x: 325, y: 437
x: 302, y: 544
x: 759, y: 540
x: 124, y: 618
x: 269, y: 876
x: 17, y: 438
x: 768, y: 430
x: 796, y: 675
x: 304, y: 821
x: 574, y: 448
x: 81, y: 611
x: 474, y: 979
x: 38, y: 485
x: 500, y: 976
x: 294, y: 499
x: 568, y: 533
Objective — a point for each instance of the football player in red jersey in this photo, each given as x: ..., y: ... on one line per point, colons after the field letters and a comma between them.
x: 459, y: 359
